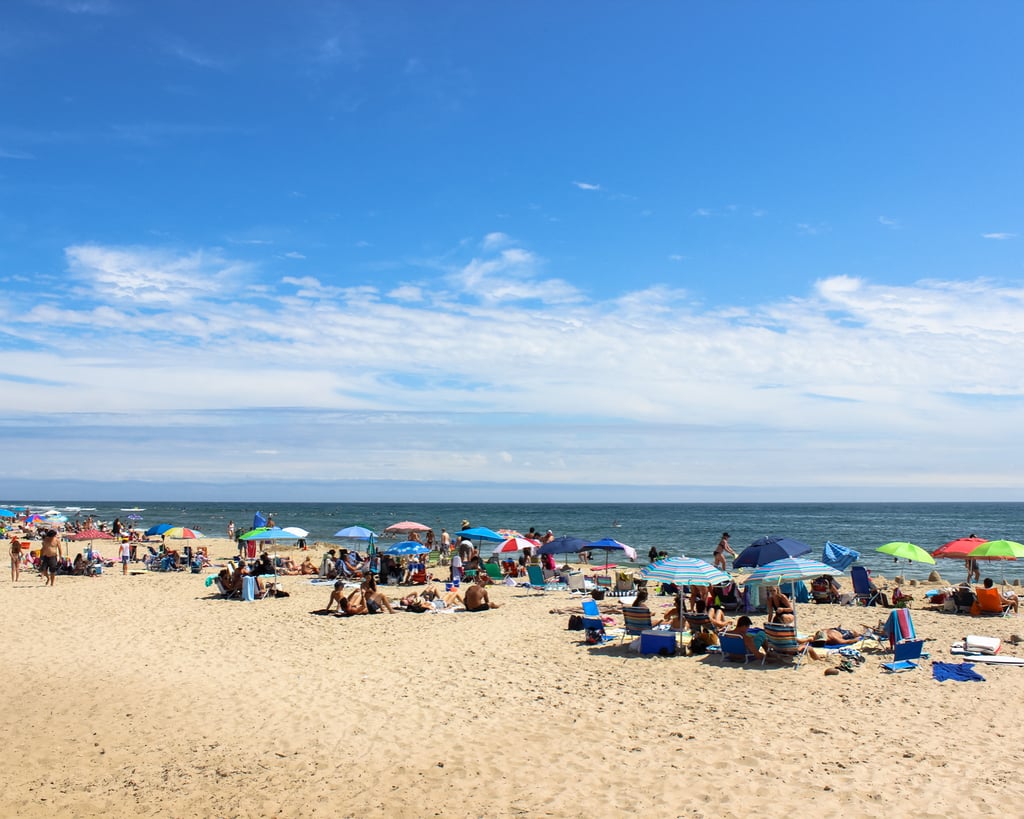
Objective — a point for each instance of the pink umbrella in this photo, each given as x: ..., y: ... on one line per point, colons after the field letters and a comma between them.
x: 517, y: 544
x: 92, y: 534
x: 407, y: 526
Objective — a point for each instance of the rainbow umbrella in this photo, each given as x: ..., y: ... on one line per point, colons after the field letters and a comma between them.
x: 182, y: 533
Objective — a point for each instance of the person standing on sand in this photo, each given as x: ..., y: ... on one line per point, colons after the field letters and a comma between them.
x: 446, y: 546
x: 124, y: 552
x: 231, y: 530
x: 15, y: 559
x: 720, y: 550
x: 50, y: 554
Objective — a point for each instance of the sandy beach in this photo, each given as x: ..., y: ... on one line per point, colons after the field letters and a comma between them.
x: 146, y: 695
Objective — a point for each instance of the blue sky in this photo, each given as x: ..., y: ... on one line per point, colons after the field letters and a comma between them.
x: 575, y: 245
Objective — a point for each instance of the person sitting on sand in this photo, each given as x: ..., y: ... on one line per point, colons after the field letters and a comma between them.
x: 754, y: 642
x: 307, y: 567
x: 353, y: 604
x: 375, y: 601
x: 780, y: 608
x: 476, y: 598
x: 717, y: 618
x: 671, y: 618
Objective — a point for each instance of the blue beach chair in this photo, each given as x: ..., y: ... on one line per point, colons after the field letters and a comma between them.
x: 904, y: 655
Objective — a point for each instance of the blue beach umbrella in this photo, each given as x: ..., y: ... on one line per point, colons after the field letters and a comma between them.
x: 766, y: 550
x: 7, y: 513
x: 563, y: 546
x: 159, y: 529
x: 406, y: 548
x: 360, y: 533
x: 482, y: 533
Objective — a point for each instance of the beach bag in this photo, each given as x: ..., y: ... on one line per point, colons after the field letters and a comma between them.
x: 594, y: 636
x: 575, y: 623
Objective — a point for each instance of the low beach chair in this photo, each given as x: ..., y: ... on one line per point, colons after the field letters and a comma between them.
x: 576, y: 582
x: 494, y: 572
x: 637, y: 620
x: 734, y: 648
x: 782, y: 643
x: 904, y: 655
x: 592, y: 616
x: 990, y: 603
x: 899, y: 627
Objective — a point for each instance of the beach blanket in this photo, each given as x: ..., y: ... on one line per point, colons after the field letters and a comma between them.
x: 960, y: 672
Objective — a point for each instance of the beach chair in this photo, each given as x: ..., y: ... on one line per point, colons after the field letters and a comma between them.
x: 624, y: 584
x: 904, y: 655
x: 698, y: 622
x: 592, y: 617
x: 494, y: 572
x: 224, y: 593
x: 538, y: 581
x: 964, y: 599
x: 822, y: 590
x: 603, y: 583
x: 637, y: 620
x: 419, y: 575
x: 862, y: 591
x: 990, y: 603
x: 576, y: 582
x: 782, y: 643
x: 733, y: 648
x: 899, y: 627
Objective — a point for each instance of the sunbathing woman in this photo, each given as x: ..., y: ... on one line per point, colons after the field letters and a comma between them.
x: 307, y: 567
x: 353, y: 604
x: 839, y: 636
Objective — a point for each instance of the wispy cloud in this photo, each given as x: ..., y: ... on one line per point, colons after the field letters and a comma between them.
x: 1001, y: 236
x: 703, y: 212
x: 885, y: 221
x: 9, y: 154
x: 587, y: 186
x: 190, y: 54
x: 294, y: 254
x: 494, y: 348
x: 97, y: 7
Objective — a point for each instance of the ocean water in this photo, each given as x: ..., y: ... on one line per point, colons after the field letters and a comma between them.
x: 691, y: 529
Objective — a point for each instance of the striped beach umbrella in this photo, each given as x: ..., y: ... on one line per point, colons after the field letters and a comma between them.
x: 788, y: 570
x: 684, y: 571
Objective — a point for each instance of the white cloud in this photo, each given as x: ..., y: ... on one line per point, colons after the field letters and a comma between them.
x: 850, y: 381
x: 495, y: 240
x: 193, y: 56
x: 294, y: 254
x: 702, y: 212
x: 6, y: 153
x: 998, y: 235
x: 587, y: 186
x: 675, y: 257
x: 885, y: 221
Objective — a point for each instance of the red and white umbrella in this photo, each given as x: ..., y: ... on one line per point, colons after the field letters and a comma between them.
x: 517, y: 544
x: 92, y: 534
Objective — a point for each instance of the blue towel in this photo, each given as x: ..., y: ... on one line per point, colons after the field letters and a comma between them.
x: 961, y: 672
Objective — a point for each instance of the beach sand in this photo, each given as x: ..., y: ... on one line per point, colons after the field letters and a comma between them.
x: 144, y: 695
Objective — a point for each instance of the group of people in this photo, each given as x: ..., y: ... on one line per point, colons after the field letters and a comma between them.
x: 368, y: 599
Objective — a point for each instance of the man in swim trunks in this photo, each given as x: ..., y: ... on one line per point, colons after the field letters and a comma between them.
x: 50, y: 555
x: 476, y: 597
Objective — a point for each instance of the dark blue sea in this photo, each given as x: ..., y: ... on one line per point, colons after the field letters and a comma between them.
x: 691, y: 529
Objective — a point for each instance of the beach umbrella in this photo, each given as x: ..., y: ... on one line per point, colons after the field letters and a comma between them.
x: 92, y: 534
x: 766, y: 550
x: 355, y: 533
x: 7, y: 513
x: 182, y: 533
x: 277, y: 533
x: 159, y: 529
x: 790, y: 570
x: 407, y: 526
x: 296, y: 530
x: 998, y: 550
x: 609, y: 545
x: 684, y: 571
x: 133, y: 516
x: 510, y: 533
x: 563, y: 545
x: 839, y: 556
x: 482, y: 533
x: 406, y: 548
x: 517, y: 544
x: 960, y: 548
x: 907, y: 551
x: 360, y: 533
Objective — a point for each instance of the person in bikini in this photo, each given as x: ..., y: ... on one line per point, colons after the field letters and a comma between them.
x: 720, y: 550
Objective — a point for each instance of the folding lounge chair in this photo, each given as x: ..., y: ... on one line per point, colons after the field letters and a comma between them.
x: 862, y: 587
x: 575, y: 582
x: 904, y: 655
x: 494, y: 572
x: 734, y: 647
x: 538, y: 581
x: 224, y: 592
x: 698, y: 622
x: 637, y: 619
x: 782, y: 642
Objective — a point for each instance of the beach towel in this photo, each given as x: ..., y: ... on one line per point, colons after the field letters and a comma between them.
x: 960, y: 672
